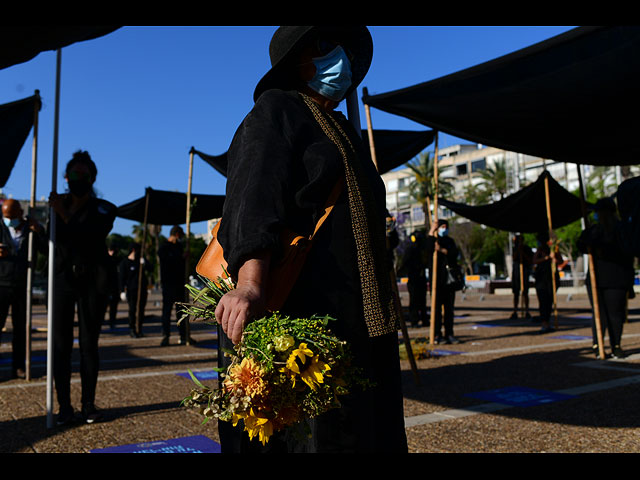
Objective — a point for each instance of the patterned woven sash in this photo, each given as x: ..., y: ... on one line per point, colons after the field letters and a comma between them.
x: 379, y: 308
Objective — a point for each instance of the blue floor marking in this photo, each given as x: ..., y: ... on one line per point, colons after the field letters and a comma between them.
x: 194, y: 444
x: 520, y: 396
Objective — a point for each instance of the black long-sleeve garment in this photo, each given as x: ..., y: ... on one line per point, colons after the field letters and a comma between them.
x: 281, y: 170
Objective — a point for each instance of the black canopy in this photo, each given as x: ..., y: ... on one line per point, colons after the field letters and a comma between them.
x: 20, y: 44
x: 526, y: 210
x: 571, y: 98
x: 16, y: 121
x: 170, y: 208
x: 393, y: 148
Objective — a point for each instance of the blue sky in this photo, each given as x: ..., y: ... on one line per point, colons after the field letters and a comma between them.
x: 138, y: 99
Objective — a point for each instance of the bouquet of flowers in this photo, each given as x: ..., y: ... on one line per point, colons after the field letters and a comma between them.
x: 283, y: 370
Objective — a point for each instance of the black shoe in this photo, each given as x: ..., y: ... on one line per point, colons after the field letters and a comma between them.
x: 90, y: 413
x: 165, y: 341
x: 527, y: 315
x: 617, y: 352
x: 65, y: 416
x: 185, y: 341
x: 439, y: 340
x: 546, y: 330
x: 513, y: 316
x: 452, y: 340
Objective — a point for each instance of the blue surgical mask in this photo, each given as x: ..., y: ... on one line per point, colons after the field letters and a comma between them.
x: 11, y: 222
x: 595, y: 217
x: 333, y: 75
x: 443, y: 232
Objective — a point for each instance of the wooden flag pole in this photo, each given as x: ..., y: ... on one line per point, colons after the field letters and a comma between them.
x: 394, y: 282
x: 592, y: 271
x: 554, y: 266
x: 141, y: 265
x: 30, y: 259
x: 187, y: 328
x: 434, y: 265
x: 521, y: 266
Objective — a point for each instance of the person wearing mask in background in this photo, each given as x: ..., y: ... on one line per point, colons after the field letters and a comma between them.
x: 83, y: 222
x: 440, y: 241
x: 130, y: 279
x: 14, y: 243
x: 414, y: 265
x: 522, y: 255
x: 172, y: 278
x: 613, y: 271
x: 543, y: 261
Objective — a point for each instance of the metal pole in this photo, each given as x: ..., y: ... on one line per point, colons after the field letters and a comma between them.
x: 394, y: 282
x: 30, y: 262
x: 52, y: 249
x: 434, y: 263
x: 592, y: 270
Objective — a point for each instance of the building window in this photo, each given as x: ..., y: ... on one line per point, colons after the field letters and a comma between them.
x: 461, y: 169
x: 418, y: 215
x: 478, y: 165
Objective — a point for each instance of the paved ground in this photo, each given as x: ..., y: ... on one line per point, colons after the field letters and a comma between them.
x: 505, y: 388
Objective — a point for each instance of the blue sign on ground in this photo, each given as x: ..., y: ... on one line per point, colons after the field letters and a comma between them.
x: 572, y: 337
x: 195, y: 444
x: 206, y: 375
x: 444, y: 353
x: 520, y: 396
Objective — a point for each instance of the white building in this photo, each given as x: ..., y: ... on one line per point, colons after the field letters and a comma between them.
x: 460, y: 165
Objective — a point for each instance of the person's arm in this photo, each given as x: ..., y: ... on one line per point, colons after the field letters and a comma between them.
x: 248, y: 300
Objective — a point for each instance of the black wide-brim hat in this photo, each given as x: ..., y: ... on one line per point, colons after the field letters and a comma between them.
x: 288, y: 41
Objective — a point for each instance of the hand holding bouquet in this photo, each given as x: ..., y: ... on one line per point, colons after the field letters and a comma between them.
x: 283, y: 371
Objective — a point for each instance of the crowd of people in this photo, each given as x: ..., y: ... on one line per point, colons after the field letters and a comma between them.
x: 287, y: 155
x: 90, y: 281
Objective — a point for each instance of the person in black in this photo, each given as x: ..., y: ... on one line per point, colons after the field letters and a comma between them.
x: 113, y: 299
x: 130, y: 279
x: 447, y: 249
x: 522, y: 255
x: 613, y: 271
x: 172, y: 279
x: 414, y: 265
x: 14, y: 232
x: 285, y: 158
x: 83, y: 222
x: 543, y: 261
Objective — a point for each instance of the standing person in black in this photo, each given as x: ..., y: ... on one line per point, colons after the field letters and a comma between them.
x: 447, y: 249
x: 113, y: 299
x: 613, y: 271
x: 14, y: 243
x: 543, y: 261
x: 522, y: 255
x: 129, y: 272
x: 414, y: 265
x: 286, y: 158
x: 172, y: 279
x: 83, y: 222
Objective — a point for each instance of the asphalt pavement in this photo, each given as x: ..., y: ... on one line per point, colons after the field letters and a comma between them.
x: 504, y: 388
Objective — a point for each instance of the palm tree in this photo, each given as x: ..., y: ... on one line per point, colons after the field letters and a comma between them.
x: 603, y: 181
x: 422, y: 189
x: 494, y: 179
